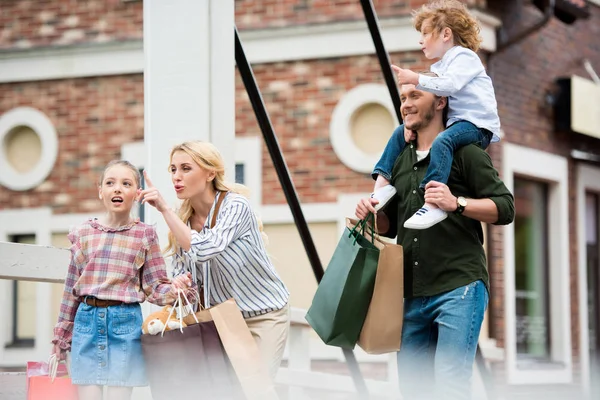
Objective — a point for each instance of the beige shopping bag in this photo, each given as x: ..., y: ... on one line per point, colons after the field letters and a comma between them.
x: 241, y: 349
x: 382, y: 330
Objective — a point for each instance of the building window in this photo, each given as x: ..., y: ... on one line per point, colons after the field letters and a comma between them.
x: 248, y: 166
x: 140, y: 210
x: 592, y: 229
x: 239, y: 173
x: 538, y: 346
x: 361, y: 125
x: 23, y: 305
x: 29, y: 145
x: 531, y: 270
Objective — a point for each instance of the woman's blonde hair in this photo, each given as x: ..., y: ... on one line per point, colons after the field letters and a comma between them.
x: 450, y: 14
x: 208, y: 157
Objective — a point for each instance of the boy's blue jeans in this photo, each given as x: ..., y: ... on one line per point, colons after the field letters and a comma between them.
x: 439, y: 340
x: 442, y: 151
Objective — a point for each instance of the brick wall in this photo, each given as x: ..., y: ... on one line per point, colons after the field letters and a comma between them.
x: 300, y: 98
x: 252, y: 14
x: 93, y: 117
x: 30, y: 23
x: 33, y: 23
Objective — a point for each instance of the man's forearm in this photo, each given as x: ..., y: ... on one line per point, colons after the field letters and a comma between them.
x: 383, y: 223
x: 484, y: 210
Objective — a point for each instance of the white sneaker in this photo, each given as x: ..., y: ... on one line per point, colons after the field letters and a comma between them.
x: 384, y: 195
x: 425, y: 218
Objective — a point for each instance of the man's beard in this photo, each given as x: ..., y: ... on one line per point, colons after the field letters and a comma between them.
x: 424, y: 122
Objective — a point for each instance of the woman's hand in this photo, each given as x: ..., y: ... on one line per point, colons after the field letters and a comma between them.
x: 183, y: 281
x: 439, y: 194
x: 152, y: 196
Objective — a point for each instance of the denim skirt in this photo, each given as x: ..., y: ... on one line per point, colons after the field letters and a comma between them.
x: 106, y: 347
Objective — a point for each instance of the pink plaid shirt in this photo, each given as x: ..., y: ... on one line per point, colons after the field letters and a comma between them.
x: 106, y: 263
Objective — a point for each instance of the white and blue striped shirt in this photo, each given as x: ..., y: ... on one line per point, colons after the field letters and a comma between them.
x: 233, y: 260
x: 462, y: 78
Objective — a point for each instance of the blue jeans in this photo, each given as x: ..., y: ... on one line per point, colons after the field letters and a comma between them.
x: 457, y: 135
x: 439, y: 340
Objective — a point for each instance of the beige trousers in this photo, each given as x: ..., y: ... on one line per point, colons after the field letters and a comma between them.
x: 270, y: 331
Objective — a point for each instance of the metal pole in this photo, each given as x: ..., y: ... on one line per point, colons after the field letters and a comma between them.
x: 288, y: 187
x: 382, y: 55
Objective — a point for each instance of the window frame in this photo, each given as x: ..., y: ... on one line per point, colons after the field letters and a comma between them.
x: 248, y: 152
x: 36, y: 221
x: 588, y: 180
x: 553, y: 169
x: 16, y: 341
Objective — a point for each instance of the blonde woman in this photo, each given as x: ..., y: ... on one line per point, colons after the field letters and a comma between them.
x: 230, y: 255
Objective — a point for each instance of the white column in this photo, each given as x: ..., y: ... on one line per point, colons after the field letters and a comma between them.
x: 188, y: 84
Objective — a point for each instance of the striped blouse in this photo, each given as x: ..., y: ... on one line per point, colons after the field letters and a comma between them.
x: 232, y: 260
x: 105, y: 263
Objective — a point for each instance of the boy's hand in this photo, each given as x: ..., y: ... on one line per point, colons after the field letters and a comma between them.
x: 405, y: 76
x: 409, y: 135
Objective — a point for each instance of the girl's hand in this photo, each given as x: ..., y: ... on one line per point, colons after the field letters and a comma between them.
x: 152, y: 196
x: 182, y: 281
x: 61, y: 355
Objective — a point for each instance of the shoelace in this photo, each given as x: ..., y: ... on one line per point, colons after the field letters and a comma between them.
x: 422, y: 211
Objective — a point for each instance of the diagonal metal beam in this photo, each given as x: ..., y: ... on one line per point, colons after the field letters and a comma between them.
x: 382, y: 55
x: 288, y: 188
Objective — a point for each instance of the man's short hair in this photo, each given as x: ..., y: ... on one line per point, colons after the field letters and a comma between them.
x: 434, y: 75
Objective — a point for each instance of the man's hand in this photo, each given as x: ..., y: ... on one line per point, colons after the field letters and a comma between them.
x: 405, y: 76
x: 152, y: 196
x: 366, y: 206
x: 409, y: 135
x: 439, y: 194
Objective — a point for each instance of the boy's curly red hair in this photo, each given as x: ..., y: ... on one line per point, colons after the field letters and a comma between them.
x: 451, y: 14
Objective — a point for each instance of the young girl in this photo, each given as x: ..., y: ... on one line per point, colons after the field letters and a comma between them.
x: 116, y: 264
x: 229, y: 255
x: 449, y: 33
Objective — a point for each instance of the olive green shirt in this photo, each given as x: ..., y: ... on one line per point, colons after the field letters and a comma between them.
x: 449, y: 254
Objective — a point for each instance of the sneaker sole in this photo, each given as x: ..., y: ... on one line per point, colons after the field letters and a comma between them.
x: 429, y: 225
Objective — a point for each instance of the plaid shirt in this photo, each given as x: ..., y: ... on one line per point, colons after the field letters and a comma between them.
x: 106, y: 264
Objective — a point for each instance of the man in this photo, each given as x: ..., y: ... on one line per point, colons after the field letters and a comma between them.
x: 445, y: 278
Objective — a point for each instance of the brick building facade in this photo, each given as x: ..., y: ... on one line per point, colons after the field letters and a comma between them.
x: 95, y: 115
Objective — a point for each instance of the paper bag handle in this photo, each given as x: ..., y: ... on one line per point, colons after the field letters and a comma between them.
x: 53, y: 366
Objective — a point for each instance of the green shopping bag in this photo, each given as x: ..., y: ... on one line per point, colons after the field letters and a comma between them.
x: 342, y: 299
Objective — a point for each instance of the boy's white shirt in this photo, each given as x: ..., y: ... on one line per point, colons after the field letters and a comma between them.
x: 462, y: 78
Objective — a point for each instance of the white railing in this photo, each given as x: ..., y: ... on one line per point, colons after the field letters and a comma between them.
x: 49, y: 264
